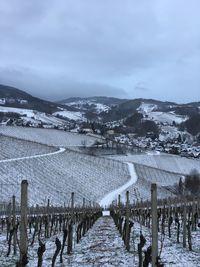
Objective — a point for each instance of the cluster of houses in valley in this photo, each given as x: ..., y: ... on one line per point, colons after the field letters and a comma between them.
x: 173, y: 146
x: 4, y: 101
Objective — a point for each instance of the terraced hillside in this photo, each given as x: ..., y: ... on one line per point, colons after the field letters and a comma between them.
x: 170, y: 163
x: 146, y: 176
x: 49, y: 137
x: 56, y: 176
x: 14, y: 148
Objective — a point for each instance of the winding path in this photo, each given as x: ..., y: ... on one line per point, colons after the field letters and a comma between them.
x: 107, y: 200
x: 61, y: 150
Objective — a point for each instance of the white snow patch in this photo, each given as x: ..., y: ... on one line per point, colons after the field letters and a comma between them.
x: 72, y: 115
x: 61, y: 150
x: 106, y: 213
x: 107, y: 200
x: 165, y: 117
x: 145, y: 107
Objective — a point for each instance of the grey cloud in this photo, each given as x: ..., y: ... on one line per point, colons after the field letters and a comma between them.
x: 101, y: 44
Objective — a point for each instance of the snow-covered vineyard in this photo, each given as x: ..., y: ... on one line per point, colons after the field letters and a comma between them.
x: 53, y: 169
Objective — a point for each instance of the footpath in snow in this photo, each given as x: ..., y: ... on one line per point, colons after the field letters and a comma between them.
x: 101, y: 246
x: 61, y: 150
x: 107, y: 200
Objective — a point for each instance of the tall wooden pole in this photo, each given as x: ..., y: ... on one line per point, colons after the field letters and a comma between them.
x: 184, y: 222
x: 14, y: 225
x: 23, y: 223
x: 9, y: 219
x: 83, y: 202
x: 48, y: 206
x: 70, y: 227
x: 154, y: 224
x: 127, y: 236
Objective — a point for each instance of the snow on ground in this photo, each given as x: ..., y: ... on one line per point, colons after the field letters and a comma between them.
x: 71, y: 115
x: 166, y: 117
x: 34, y: 116
x: 146, y: 108
x: 102, y: 246
x: 83, y: 104
x: 107, y: 200
x: 21, y: 111
x: 167, y: 162
x: 61, y: 150
x: 146, y: 175
x: 49, y: 137
x: 16, y: 148
x: 173, y: 254
x: 161, y: 117
x: 56, y: 175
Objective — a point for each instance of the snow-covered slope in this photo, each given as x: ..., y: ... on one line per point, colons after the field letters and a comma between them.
x: 16, y: 148
x: 33, y: 116
x: 149, y: 111
x: 56, y: 175
x: 167, y: 162
x: 50, y: 137
x: 71, y: 115
x: 89, y: 105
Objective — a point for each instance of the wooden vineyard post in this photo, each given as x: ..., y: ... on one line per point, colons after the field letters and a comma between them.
x: 23, y: 224
x: 70, y: 227
x: 127, y: 235
x: 154, y: 224
x: 9, y: 219
x: 83, y: 203
x: 184, y: 222
x: 14, y: 225
x: 47, y: 222
x: 119, y: 202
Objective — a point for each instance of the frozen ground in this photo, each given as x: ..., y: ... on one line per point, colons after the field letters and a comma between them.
x: 107, y: 200
x: 170, y: 163
x: 33, y: 115
x: 102, y: 246
x: 71, y: 115
x: 161, y: 117
x: 57, y: 174
x: 173, y: 254
x: 14, y: 148
x: 49, y: 137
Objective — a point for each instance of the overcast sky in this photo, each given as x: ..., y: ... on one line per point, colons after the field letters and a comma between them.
x: 134, y: 48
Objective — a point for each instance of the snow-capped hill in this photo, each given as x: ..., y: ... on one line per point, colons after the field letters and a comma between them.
x: 89, y: 105
x: 70, y: 115
x: 150, y: 111
x: 13, y: 97
x: 28, y: 117
x: 147, y: 107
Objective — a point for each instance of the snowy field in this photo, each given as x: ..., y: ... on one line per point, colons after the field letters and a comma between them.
x: 173, y: 254
x: 55, y: 176
x: 15, y: 148
x: 33, y: 115
x: 161, y: 117
x: 54, y: 172
x: 145, y: 176
x: 170, y: 163
x: 49, y: 137
x: 71, y: 115
x: 164, y: 117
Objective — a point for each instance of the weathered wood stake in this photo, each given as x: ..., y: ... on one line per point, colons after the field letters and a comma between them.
x: 127, y: 236
x: 14, y: 226
x: 154, y: 224
x: 23, y: 224
x: 184, y: 223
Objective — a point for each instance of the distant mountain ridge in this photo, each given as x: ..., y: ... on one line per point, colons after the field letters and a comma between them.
x: 13, y: 96
x: 100, y: 109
